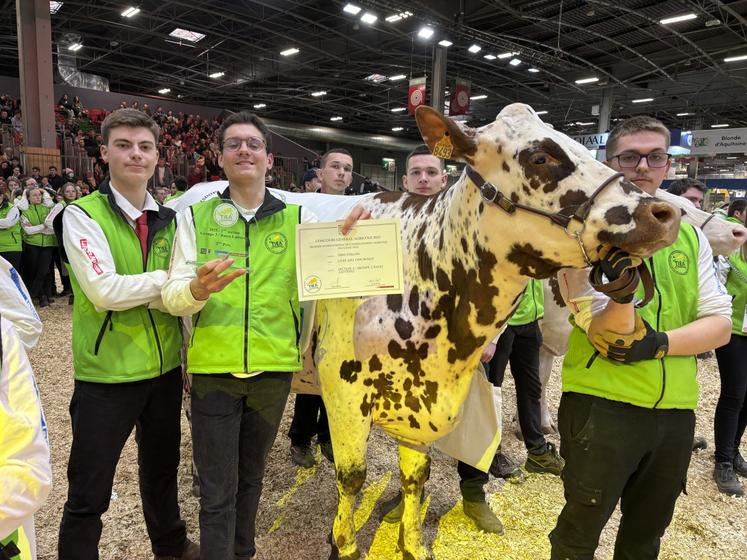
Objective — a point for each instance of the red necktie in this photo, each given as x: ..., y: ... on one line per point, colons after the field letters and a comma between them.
x: 141, y: 229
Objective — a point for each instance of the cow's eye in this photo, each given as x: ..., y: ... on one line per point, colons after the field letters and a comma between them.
x: 539, y: 158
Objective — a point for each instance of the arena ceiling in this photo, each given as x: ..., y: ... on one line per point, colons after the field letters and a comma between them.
x: 621, y: 43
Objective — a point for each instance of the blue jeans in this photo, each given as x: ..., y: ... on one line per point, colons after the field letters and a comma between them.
x: 234, y: 424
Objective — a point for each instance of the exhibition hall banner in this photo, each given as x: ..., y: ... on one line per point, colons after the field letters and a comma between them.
x: 416, y: 94
x: 725, y: 141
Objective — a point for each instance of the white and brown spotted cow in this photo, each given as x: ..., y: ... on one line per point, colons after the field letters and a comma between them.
x: 405, y: 362
x: 724, y: 238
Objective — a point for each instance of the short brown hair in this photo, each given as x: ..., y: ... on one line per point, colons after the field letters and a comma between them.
x: 128, y: 117
x: 421, y: 150
x: 640, y: 123
x: 679, y: 186
x: 326, y: 155
x: 244, y: 117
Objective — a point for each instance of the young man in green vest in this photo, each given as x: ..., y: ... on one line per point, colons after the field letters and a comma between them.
x: 245, y: 332
x: 626, y: 416
x: 117, y: 245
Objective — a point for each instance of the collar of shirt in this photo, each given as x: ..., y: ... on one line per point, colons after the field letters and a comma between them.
x: 130, y: 212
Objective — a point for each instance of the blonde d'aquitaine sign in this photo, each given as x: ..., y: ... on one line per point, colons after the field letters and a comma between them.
x: 724, y: 141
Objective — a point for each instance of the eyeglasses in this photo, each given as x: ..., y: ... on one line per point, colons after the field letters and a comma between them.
x: 631, y: 160
x: 253, y: 144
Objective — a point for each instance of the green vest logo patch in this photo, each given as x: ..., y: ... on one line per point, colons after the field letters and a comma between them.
x: 161, y: 247
x: 276, y: 242
x: 679, y: 262
x: 225, y: 215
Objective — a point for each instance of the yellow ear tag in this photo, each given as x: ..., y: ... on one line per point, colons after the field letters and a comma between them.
x: 443, y: 148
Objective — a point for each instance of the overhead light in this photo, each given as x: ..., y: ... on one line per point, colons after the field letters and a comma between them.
x: 375, y: 78
x: 490, y: 57
x: 533, y: 70
x: 685, y: 114
x: 338, y: 118
x: 217, y: 74
x: 736, y: 58
x: 714, y: 22
x: 731, y: 157
x: 369, y: 18
x: 445, y: 43
x: 642, y: 100
x: 129, y: 12
x: 260, y: 105
x: 351, y: 9
x: 398, y: 109
x: 397, y: 17
x: 164, y: 90
x: 677, y: 19
x: 318, y: 93
x: 54, y: 7
x: 397, y: 77
x: 288, y: 52
x: 75, y: 47
x: 187, y: 35
x: 584, y: 123
x: 587, y: 80
x: 507, y: 55
x: 425, y: 32
x: 723, y: 125
x: 474, y: 49
x: 397, y: 128
x: 540, y: 112
x: 514, y: 62
x: 478, y: 97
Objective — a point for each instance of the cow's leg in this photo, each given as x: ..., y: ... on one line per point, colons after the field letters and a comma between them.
x: 545, y: 371
x: 414, y: 468
x: 349, y: 440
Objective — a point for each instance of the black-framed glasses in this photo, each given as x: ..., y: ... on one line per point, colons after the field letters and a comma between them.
x: 253, y: 144
x: 631, y: 159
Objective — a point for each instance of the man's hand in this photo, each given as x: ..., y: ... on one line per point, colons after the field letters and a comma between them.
x: 488, y: 353
x: 357, y: 213
x: 644, y: 343
x: 209, y: 279
x: 619, y: 268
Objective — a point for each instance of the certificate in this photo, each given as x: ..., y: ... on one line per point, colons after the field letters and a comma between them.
x: 365, y: 262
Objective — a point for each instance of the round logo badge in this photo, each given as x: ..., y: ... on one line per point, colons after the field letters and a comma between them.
x: 416, y: 97
x: 462, y: 98
x: 679, y: 262
x: 276, y: 242
x: 225, y: 215
x: 161, y: 247
x: 312, y: 284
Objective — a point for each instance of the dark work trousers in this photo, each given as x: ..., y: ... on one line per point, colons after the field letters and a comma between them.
x: 471, y: 482
x: 619, y: 452
x: 14, y: 258
x: 64, y: 278
x: 520, y: 345
x: 234, y: 424
x: 731, y: 410
x: 37, y: 266
x: 103, y: 416
x: 309, y: 420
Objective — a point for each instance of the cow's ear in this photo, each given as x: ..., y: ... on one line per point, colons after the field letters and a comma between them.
x: 445, y: 138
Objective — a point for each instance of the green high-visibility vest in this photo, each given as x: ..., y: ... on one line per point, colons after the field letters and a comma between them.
x: 16, y: 541
x: 253, y: 324
x: 532, y: 305
x: 666, y: 383
x: 138, y: 343
x: 174, y: 196
x: 36, y: 214
x: 736, y: 285
x: 10, y: 238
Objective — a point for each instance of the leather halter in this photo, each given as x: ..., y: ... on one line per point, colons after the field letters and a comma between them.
x: 490, y: 193
x: 626, y: 284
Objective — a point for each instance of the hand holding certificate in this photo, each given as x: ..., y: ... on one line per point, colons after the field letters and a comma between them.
x: 365, y: 262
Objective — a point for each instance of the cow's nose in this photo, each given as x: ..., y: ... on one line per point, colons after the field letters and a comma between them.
x: 662, y: 212
x: 740, y: 234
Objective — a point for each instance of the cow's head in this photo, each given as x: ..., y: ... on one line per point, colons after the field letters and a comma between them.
x: 534, y: 165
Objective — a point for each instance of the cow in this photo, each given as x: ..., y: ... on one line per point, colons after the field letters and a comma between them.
x: 529, y: 202
x: 723, y: 236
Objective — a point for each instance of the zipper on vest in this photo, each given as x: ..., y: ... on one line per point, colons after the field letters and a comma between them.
x: 298, y: 330
x: 158, y: 340
x: 246, y: 300
x: 658, y: 318
x: 592, y: 359
x: 194, y: 328
x: 102, y: 330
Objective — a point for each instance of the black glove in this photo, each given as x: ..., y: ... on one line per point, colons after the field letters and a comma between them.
x: 644, y: 343
x: 620, y: 269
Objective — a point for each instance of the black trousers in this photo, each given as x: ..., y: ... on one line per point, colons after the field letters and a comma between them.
x: 731, y: 410
x: 37, y: 266
x: 520, y: 346
x: 309, y: 420
x: 619, y: 452
x: 103, y: 416
x: 64, y: 277
x: 14, y: 258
